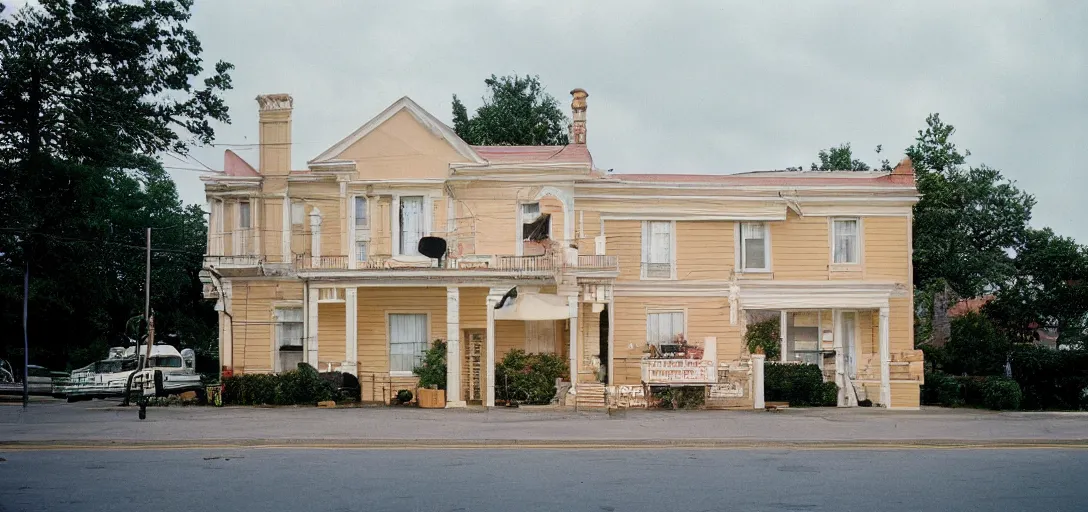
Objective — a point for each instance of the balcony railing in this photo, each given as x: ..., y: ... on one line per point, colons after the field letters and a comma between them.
x: 304, y: 262
x: 231, y: 261
x: 657, y: 270
x: 598, y: 262
x: 517, y: 264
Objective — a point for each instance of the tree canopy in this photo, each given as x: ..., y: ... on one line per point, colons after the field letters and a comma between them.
x: 91, y: 92
x: 516, y: 111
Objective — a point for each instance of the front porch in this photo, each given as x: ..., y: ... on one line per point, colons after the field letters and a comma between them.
x: 378, y: 331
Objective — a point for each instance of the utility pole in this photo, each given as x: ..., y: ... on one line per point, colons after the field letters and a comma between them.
x: 147, y: 282
x: 26, y: 342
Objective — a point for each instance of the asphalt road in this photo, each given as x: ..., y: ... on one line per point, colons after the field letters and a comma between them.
x: 524, y: 480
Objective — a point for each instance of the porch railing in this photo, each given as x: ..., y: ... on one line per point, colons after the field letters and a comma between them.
x: 598, y: 262
x: 231, y: 261
x: 497, y: 263
x: 305, y: 262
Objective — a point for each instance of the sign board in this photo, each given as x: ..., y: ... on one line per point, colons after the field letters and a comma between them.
x: 679, y: 371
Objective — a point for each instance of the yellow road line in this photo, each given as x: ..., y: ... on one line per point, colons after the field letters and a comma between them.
x: 546, y: 446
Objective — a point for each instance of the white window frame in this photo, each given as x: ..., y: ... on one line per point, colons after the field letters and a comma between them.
x: 428, y: 214
x: 389, y: 339
x: 519, y: 247
x: 298, y: 212
x: 277, y: 334
x: 248, y: 217
x: 646, y: 227
x: 858, y: 248
x: 738, y: 235
x: 663, y: 311
x: 359, y: 234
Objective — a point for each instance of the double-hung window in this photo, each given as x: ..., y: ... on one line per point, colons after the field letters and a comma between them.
x: 664, y: 328
x: 289, y: 338
x: 411, y: 224
x: 845, y: 239
x: 244, y: 218
x: 362, y: 229
x: 754, y: 247
x: 657, y: 250
x: 407, y: 341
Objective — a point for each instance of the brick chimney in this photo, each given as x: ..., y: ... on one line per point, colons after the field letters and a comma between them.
x: 578, y: 116
x: 904, y: 168
x: 275, y: 133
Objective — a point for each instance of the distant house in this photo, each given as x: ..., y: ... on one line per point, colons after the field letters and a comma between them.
x: 1044, y: 336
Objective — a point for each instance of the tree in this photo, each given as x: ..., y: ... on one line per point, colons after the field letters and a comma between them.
x: 516, y: 111
x: 1049, y: 289
x: 968, y: 220
x: 840, y: 158
x: 90, y: 92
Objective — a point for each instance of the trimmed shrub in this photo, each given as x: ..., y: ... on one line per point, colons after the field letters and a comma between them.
x: 1000, y: 393
x: 1050, y: 379
x: 295, y: 387
x: 764, y: 335
x: 801, y: 385
x: 941, y: 389
x: 687, y: 397
x: 433, y: 370
x: 528, y: 378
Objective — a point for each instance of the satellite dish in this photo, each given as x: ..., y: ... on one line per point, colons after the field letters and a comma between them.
x: 432, y: 247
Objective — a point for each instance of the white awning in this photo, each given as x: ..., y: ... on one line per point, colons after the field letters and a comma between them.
x: 534, y: 306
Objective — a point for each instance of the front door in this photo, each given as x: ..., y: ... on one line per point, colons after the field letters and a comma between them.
x: 603, y: 349
x: 848, y: 322
x: 473, y: 367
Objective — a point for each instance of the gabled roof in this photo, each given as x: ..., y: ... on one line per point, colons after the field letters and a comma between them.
x: 572, y: 153
x: 234, y: 165
x: 438, y: 128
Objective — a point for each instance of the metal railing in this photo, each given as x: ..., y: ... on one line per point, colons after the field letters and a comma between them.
x: 231, y: 261
x: 523, y: 263
x: 306, y: 262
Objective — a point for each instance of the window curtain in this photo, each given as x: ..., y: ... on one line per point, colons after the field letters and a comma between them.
x: 411, y: 224
x: 846, y: 241
x: 407, y: 341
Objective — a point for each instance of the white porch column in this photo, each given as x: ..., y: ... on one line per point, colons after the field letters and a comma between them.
x: 885, y: 359
x: 490, y: 393
x: 611, y: 338
x: 782, y: 341
x: 256, y: 213
x: 840, y: 361
x: 395, y: 214
x: 315, y: 235
x: 453, y: 347
x: 311, y: 326
x: 572, y: 304
x: 757, y: 378
x: 351, y: 331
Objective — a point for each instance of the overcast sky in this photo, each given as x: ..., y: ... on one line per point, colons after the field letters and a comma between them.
x: 687, y: 87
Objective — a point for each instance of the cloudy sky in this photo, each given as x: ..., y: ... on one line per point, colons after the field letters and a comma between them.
x: 687, y: 87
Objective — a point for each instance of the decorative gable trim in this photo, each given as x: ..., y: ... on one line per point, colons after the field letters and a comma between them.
x: 438, y: 128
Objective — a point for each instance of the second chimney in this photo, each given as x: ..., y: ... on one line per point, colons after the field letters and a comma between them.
x: 275, y: 133
x: 578, y: 116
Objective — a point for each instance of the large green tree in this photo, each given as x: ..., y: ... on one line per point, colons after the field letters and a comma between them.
x: 516, y: 111
x: 91, y: 91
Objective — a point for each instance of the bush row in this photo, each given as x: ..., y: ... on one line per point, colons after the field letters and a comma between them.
x: 801, y: 385
x: 303, y: 386
x: 687, y: 397
x: 992, y: 392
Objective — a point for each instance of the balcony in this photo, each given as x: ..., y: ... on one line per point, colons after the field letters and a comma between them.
x: 533, y: 265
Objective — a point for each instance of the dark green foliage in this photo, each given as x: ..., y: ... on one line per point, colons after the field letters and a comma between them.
x: 766, y: 335
x: 799, y: 384
x: 296, y: 387
x: 976, y: 347
x: 840, y: 158
x: 432, y: 373
x: 516, y: 111
x: 90, y: 93
x: 1051, y: 379
x: 528, y: 378
x: 404, y: 396
x: 687, y: 397
x: 1000, y: 393
x: 941, y: 389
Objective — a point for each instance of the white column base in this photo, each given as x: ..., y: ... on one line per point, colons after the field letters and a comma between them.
x: 758, y: 361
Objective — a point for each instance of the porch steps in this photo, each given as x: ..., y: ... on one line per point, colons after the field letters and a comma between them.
x: 590, y: 396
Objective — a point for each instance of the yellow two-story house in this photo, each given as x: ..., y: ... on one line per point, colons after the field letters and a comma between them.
x: 402, y: 234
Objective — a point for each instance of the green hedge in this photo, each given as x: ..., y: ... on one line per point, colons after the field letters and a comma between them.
x: 296, y: 387
x: 528, y: 378
x: 992, y: 392
x: 801, y: 385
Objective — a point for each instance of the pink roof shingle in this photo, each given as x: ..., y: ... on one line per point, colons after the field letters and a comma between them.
x: 234, y: 165
x: 571, y: 153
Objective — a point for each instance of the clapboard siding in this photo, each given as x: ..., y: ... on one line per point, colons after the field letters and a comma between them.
x: 331, y: 337
x: 704, y: 250
x: 624, y: 239
x: 887, y: 253
x: 374, y: 304
x: 799, y: 248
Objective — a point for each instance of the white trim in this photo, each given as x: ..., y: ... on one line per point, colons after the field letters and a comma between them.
x: 285, y: 231
x: 885, y: 357
x: 425, y: 118
x: 351, y: 328
x: 453, y: 347
x: 519, y: 236
x: 389, y: 337
x: 755, y: 217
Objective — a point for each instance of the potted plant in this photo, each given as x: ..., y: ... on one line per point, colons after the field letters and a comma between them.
x: 432, y: 377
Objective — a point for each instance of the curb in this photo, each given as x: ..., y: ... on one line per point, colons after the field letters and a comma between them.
x: 498, y: 444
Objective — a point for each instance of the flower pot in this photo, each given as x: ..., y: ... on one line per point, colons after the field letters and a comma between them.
x: 432, y: 398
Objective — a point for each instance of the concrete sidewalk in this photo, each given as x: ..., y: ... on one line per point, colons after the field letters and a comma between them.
x: 101, y: 423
